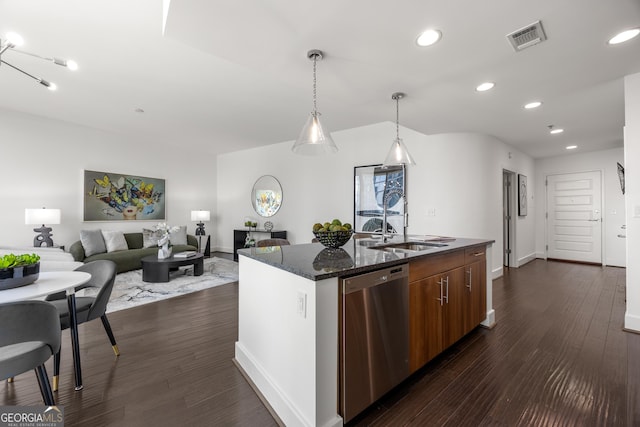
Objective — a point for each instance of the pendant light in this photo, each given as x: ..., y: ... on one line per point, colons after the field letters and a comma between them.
x: 314, y: 139
x: 398, y: 154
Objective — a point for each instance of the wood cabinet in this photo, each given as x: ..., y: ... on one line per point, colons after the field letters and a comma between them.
x: 447, y: 299
x: 475, y: 293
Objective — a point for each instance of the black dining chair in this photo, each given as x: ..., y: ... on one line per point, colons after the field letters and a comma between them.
x: 29, y: 336
x: 103, y: 274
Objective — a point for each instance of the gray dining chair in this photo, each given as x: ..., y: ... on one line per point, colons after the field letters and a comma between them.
x: 103, y: 274
x: 29, y: 336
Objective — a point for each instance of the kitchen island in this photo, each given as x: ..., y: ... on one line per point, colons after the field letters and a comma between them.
x: 289, y: 315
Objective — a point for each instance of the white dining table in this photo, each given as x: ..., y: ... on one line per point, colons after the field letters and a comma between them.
x: 51, y: 283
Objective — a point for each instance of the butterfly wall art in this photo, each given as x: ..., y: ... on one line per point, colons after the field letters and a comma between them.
x: 112, y: 196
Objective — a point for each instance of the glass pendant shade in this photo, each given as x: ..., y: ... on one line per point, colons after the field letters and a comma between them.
x: 313, y: 139
x: 398, y: 154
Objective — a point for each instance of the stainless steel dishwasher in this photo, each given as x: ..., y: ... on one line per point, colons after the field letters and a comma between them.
x: 374, y: 350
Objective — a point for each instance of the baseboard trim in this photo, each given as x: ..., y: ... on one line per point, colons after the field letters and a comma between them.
x: 258, y: 393
x: 526, y: 259
x: 598, y: 264
x: 270, y: 392
x: 631, y: 323
x: 490, y: 321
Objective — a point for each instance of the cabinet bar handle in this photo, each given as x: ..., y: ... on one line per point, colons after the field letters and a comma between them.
x: 478, y: 254
x: 441, y: 299
x: 447, y: 283
x: 470, y: 281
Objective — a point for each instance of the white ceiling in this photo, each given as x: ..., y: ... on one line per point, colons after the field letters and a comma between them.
x: 230, y: 75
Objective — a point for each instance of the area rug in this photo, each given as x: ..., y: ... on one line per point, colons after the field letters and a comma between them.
x: 129, y: 290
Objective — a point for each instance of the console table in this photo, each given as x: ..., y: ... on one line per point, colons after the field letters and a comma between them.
x: 239, y: 237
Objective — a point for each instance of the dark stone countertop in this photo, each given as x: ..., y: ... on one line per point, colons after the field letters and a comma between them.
x: 314, y: 261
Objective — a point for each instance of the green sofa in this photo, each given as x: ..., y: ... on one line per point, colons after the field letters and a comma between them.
x: 129, y: 259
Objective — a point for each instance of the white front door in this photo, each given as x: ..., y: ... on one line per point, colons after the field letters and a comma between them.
x: 574, y: 217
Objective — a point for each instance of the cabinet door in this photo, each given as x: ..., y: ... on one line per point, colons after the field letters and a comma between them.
x: 442, y: 309
x: 434, y: 289
x: 453, y: 318
x: 426, y: 305
x: 474, y: 295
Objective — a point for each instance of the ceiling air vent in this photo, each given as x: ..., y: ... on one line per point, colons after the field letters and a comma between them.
x: 527, y: 36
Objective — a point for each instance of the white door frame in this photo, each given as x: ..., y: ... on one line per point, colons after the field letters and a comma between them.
x: 509, y: 198
x: 602, y: 211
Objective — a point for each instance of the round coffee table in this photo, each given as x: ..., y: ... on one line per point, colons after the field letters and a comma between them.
x: 157, y: 270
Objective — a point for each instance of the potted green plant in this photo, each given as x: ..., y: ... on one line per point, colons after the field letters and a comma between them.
x: 18, y: 270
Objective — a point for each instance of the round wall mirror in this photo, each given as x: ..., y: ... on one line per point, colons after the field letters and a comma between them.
x: 266, y: 196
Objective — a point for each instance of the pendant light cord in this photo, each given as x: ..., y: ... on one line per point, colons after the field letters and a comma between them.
x: 397, y: 117
x: 315, y: 61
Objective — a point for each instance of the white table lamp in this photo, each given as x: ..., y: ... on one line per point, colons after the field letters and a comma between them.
x: 200, y: 216
x: 42, y: 216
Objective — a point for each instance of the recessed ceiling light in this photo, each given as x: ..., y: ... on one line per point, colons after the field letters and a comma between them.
x: 485, y: 86
x: 534, y: 104
x: 428, y: 37
x: 556, y: 130
x: 624, y: 36
x: 571, y: 147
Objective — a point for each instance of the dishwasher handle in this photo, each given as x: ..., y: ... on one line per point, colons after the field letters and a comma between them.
x: 375, y: 278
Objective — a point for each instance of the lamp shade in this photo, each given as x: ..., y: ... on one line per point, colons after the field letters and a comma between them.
x: 200, y: 215
x: 314, y: 140
x: 42, y: 216
x: 398, y: 154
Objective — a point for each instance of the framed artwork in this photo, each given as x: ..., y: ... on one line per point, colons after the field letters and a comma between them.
x: 621, y: 176
x: 374, y: 186
x: 110, y: 196
x: 522, y: 195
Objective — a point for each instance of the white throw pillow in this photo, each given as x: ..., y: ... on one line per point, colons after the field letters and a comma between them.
x: 114, y: 240
x: 150, y: 238
x: 179, y: 237
x: 92, y: 242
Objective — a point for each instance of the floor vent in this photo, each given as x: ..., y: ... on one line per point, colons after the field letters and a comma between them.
x: 527, y: 36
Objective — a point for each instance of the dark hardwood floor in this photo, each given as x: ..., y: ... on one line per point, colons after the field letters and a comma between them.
x: 557, y: 356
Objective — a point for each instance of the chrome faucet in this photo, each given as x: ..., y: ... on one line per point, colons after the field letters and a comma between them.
x: 385, y: 206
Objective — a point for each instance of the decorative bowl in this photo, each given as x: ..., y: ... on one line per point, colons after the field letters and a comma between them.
x: 15, y: 277
x: 333, y: 239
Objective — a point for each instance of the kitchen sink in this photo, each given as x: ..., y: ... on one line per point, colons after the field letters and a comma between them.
x: 408, y: 247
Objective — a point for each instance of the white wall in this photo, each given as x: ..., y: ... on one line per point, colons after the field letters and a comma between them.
x: 42, y: 163
x: 613, y: 214
x: 632, y: 197
x: 458, y: 175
